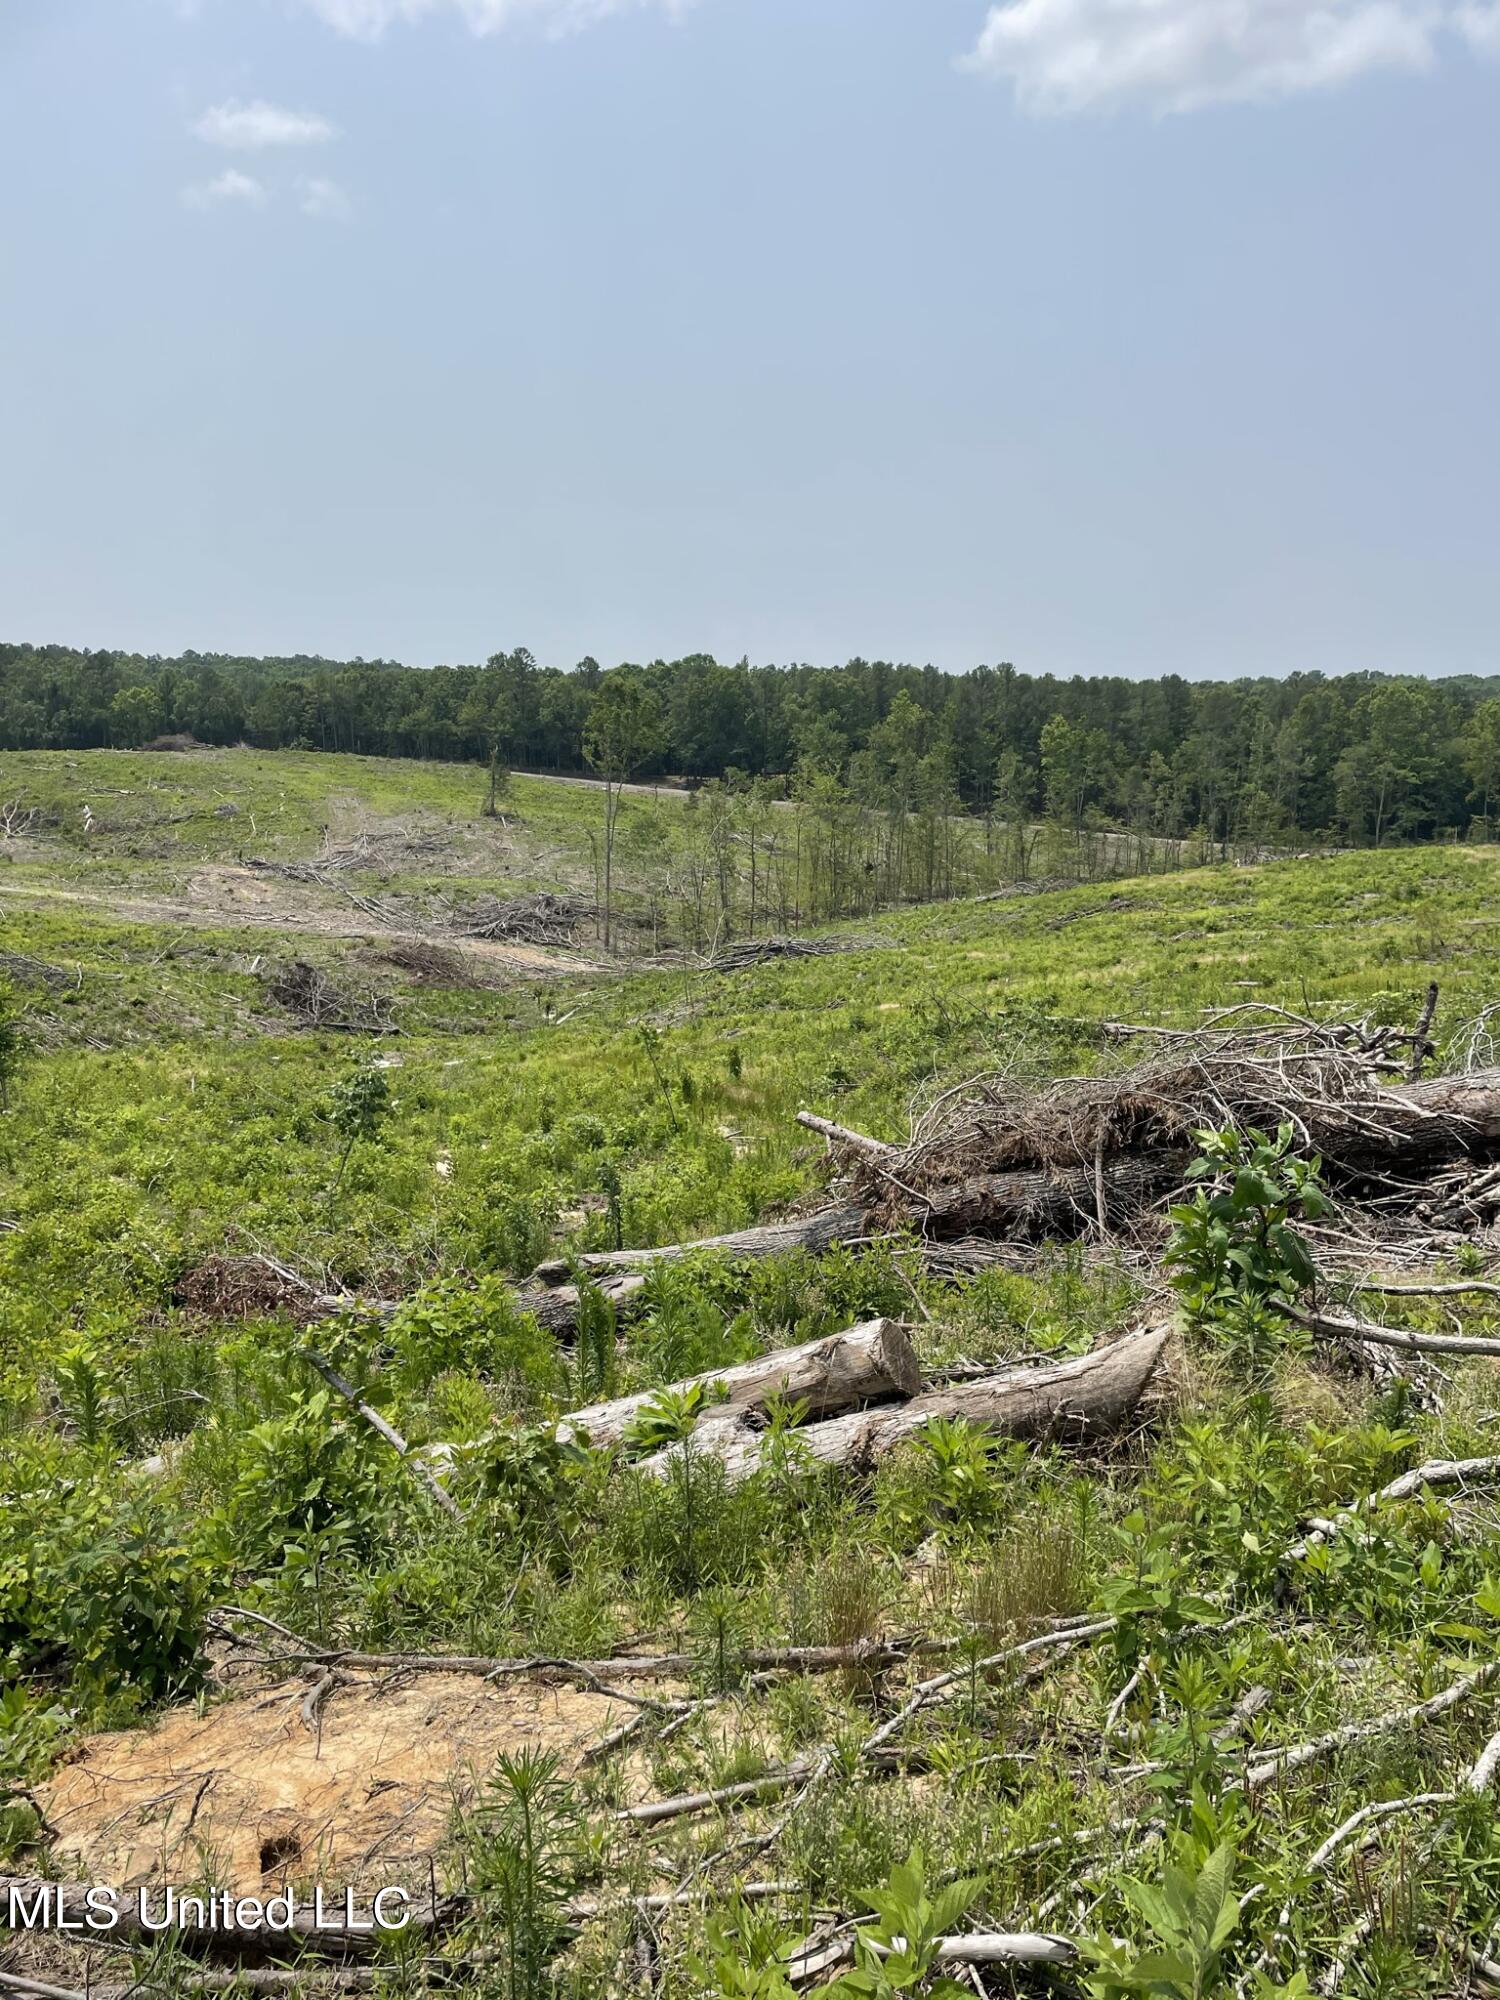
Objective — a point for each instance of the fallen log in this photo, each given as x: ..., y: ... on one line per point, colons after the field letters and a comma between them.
x: 816, y: 1232
x: 1089, y: 1397
x: 555, y: 1307
x: 868, y: 1364
x: 1039, y: 1201
x: 1367, y: 1332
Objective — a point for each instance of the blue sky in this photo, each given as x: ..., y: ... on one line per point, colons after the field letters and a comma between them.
x: 1097, y: 335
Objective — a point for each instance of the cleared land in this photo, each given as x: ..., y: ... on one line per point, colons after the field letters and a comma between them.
x: 172, y: 1461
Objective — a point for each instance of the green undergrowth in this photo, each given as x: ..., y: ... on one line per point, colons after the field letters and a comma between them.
x: 156, y: 1463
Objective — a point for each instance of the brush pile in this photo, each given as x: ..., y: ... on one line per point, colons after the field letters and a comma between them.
x: 224, y: 1288
x: 748, y: 952
x: 314, y: 1001
x: 1103, y: 1154
x: 542, y: 919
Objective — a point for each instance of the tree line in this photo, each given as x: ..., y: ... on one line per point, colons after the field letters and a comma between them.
x: 1233, y: 765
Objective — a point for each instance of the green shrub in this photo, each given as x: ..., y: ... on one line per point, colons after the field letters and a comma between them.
x: 94, y: 1579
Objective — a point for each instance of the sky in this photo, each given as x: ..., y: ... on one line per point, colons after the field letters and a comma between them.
x: 1098, y: 336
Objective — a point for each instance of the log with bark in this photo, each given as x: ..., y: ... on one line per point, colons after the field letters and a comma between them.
x: 816, y: 1232
x: 1084, y: 1150
x: 869, y: 1364
x: 1092, y: 1397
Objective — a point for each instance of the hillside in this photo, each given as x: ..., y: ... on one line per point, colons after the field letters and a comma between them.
x: 1133, y: 1655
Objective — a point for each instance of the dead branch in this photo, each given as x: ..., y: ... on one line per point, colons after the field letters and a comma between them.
x: 1363, y: 1330
x: 974, y: 1948
x: 1297, y: 1756
x: 1436, y: 1473
x: 1421, y: 1047
x: 1486, y: 1767
x: 842, y: 1135
x: 378, y: 1424
x: 816, y: 1232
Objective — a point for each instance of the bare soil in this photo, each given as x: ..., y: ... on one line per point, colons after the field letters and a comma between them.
x: 251, y: 1794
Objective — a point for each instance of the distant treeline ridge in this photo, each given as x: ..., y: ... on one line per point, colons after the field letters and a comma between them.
x: 1364, y: 757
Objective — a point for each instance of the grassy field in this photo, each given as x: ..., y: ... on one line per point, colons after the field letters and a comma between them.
x: 168, y: 1109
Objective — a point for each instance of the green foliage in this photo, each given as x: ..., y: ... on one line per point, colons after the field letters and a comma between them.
x: 536, y: 1483
x: 474, y: 1327
x: 1234, y: 1254
x: 94, y: 1578
x: 521, y: 1867
x: 668, y: 1418
x: 897, y: 1953
x: 302, y: 1473
x: 13, y: 1043
x: 1190, y: 1917
x: 359, y: 1105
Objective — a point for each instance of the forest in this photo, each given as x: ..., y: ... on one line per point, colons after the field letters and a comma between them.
x: 1364, y: 759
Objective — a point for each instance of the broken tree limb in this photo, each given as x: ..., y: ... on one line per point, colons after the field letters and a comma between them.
x: 1486, y: 1767
x: 1297, y: 1755
x: 815, y: 1232
x: 1457, y: 1289
x: 842, y: 1135
x: 868, y: 1364
x: 1421, y: 1046
x: 378, y: 1424
x: 1435, y: 1473
x: 1093, y: 1396
x: 865, y: 1654
x: 1366, y: 1331
x: 974, y: 1948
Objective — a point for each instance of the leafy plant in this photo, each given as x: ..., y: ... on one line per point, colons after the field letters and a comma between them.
x: 359, y: 1105
x: 12, y: 1042
x: 897, y: 1953
x: 1190, y: 1917
x: 521, y: 1865
x: 668, y: 1418
x: 1234, y: 1246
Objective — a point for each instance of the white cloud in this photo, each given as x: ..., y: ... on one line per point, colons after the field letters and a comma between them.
x: 250, y: 128
x: 1481, y: 27
x: 367, y: 20
x: 231, y: 187
x: 1177, y: 55
x: 324, y: 200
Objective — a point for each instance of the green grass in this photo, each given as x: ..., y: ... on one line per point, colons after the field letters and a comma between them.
x: 170, y: 1109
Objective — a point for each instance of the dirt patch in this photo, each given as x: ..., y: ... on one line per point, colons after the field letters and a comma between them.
x: 254, y: 1794
x: 233, y: 890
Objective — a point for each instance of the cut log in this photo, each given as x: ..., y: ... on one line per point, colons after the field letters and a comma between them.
x: 1075, y: 1400
x: 1042, y: 1201
x: 816, y: 1232
x: 847, y: 1371
x: 555, y: 1307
